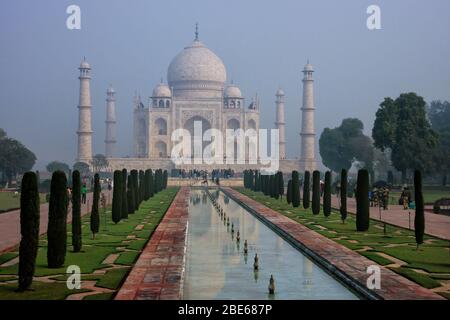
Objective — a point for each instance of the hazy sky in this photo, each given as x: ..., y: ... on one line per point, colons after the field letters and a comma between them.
x: 264, y: 45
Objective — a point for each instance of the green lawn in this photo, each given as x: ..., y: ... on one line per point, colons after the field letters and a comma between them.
x: 112, y: 239
x: 432, y: 259
x: 10, y: 201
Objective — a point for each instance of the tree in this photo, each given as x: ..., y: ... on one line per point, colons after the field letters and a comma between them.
x: 165, y: 178
x: 56, y: 165
x: 147, y: 184
x: 124, y: 212
x: 306, y: 188
x: 130, y: 195
x: 289, y: 192
x: 419, y: 219
x: 57, y: 221
x: 141, y: 186
x: 15, y: 158
x: 343, y: 208
x: 29, y: 229
x: 276, y: 190
x: 316, y: 192
x: 151, y: 189
x: 343, y: 145
x: 134, y: 175
x: 362, y: 201
x: 280, y: 184
x: 82, y: 167
x: 117, y: 197
x: 95, y: 218
x: 257, y: 181
x: 76, y: 211
x: 295, y: 189
x: 439, y: 115
x: 327, y: 194
x: 401, y: 125
x: 271, y: 186
x: 99, y: 162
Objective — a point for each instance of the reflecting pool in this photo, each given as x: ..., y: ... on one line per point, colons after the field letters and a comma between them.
x: 218, y: 268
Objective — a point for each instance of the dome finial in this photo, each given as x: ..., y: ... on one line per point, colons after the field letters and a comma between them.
x: 196, y: 31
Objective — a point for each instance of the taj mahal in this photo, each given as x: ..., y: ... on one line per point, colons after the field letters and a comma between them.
x: 196, y: 91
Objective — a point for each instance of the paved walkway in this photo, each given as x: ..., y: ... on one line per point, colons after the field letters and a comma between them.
x: 158, y: 273
x: 437, y: 225
x: 342, y: 259
x: 10, y: 222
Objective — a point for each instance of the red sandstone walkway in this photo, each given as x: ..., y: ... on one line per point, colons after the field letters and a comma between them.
x: 10, y: 223
x: 393, y: 286
x: 158, y: 273
x: 437, y: 225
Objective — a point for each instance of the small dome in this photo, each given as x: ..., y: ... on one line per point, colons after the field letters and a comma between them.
x: 232, y: 91
x: 280, y: 92
x: 162, y: 90
x: 84, y: 65
x: 308, y: 67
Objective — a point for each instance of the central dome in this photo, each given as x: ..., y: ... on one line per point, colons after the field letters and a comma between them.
x: 196, y: 68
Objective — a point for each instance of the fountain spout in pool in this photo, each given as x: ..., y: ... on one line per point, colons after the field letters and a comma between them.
x: 256, y: 263
x: 245, y: 247
x: 271, y: 285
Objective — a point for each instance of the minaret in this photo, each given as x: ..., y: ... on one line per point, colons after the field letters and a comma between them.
x: 110, y: 138
x: 280, y: 123
x: 84, y: 121
x: 307, y: 154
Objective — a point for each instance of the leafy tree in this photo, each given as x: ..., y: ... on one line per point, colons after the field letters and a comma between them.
x: 316, y: 193
x: 124, y: 213
x: 327, y: 194
x: 29, y: 229
x: 82, y: 167
x: 76, y: 211
x: 343, y: 145
x: 117, y: 197
x: 306, y: 188
x: 57, y: 221
x: 401, y: 125
x: 95, y: 218
x: 56, y: 165
x: 15, y: 158
x: 289, y: 192
x: 419, y: 219
x: 343, y: 208
x: 295, y: 189
x: 439, y: 114
x: 362, y: 201
x: 99, y: 162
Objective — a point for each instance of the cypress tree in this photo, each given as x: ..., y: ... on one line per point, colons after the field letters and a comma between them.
x: 134, y: 175
x: 117, y: 197
x: 419, y: 219
x: 295, y: 189
x: 165, y: 178
x: 362, y: 201
x: 130, y: 195
x: 289, y: 192
x: 258, y: 181
x: 147, y: 181
x: 306, y: 189
x: 29, y: 229
x: 316, y: 192
x: 343, y: 208
x: 95, y: 218
x: 280, y: 184
x: 151, y: 189
x: 276, y: 190
x: 76, y: 211
x: 271, y: 186
x: 124, y: 198
x: 327, y: 194
x: 141, y: 186
x: 57, y: 221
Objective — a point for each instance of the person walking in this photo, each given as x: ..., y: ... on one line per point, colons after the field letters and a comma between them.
x: 83, y: 193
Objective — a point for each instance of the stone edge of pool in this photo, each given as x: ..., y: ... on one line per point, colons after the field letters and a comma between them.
x: 159, y: 271
x: 344, y: 264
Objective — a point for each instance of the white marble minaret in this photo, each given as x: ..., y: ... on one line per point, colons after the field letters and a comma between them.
x: 110, y: 137
x: 307, y: 153
x: 84, y: 110
x: 280, y: 123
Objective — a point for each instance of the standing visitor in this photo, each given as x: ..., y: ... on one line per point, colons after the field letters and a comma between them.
x: 83, y: 193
